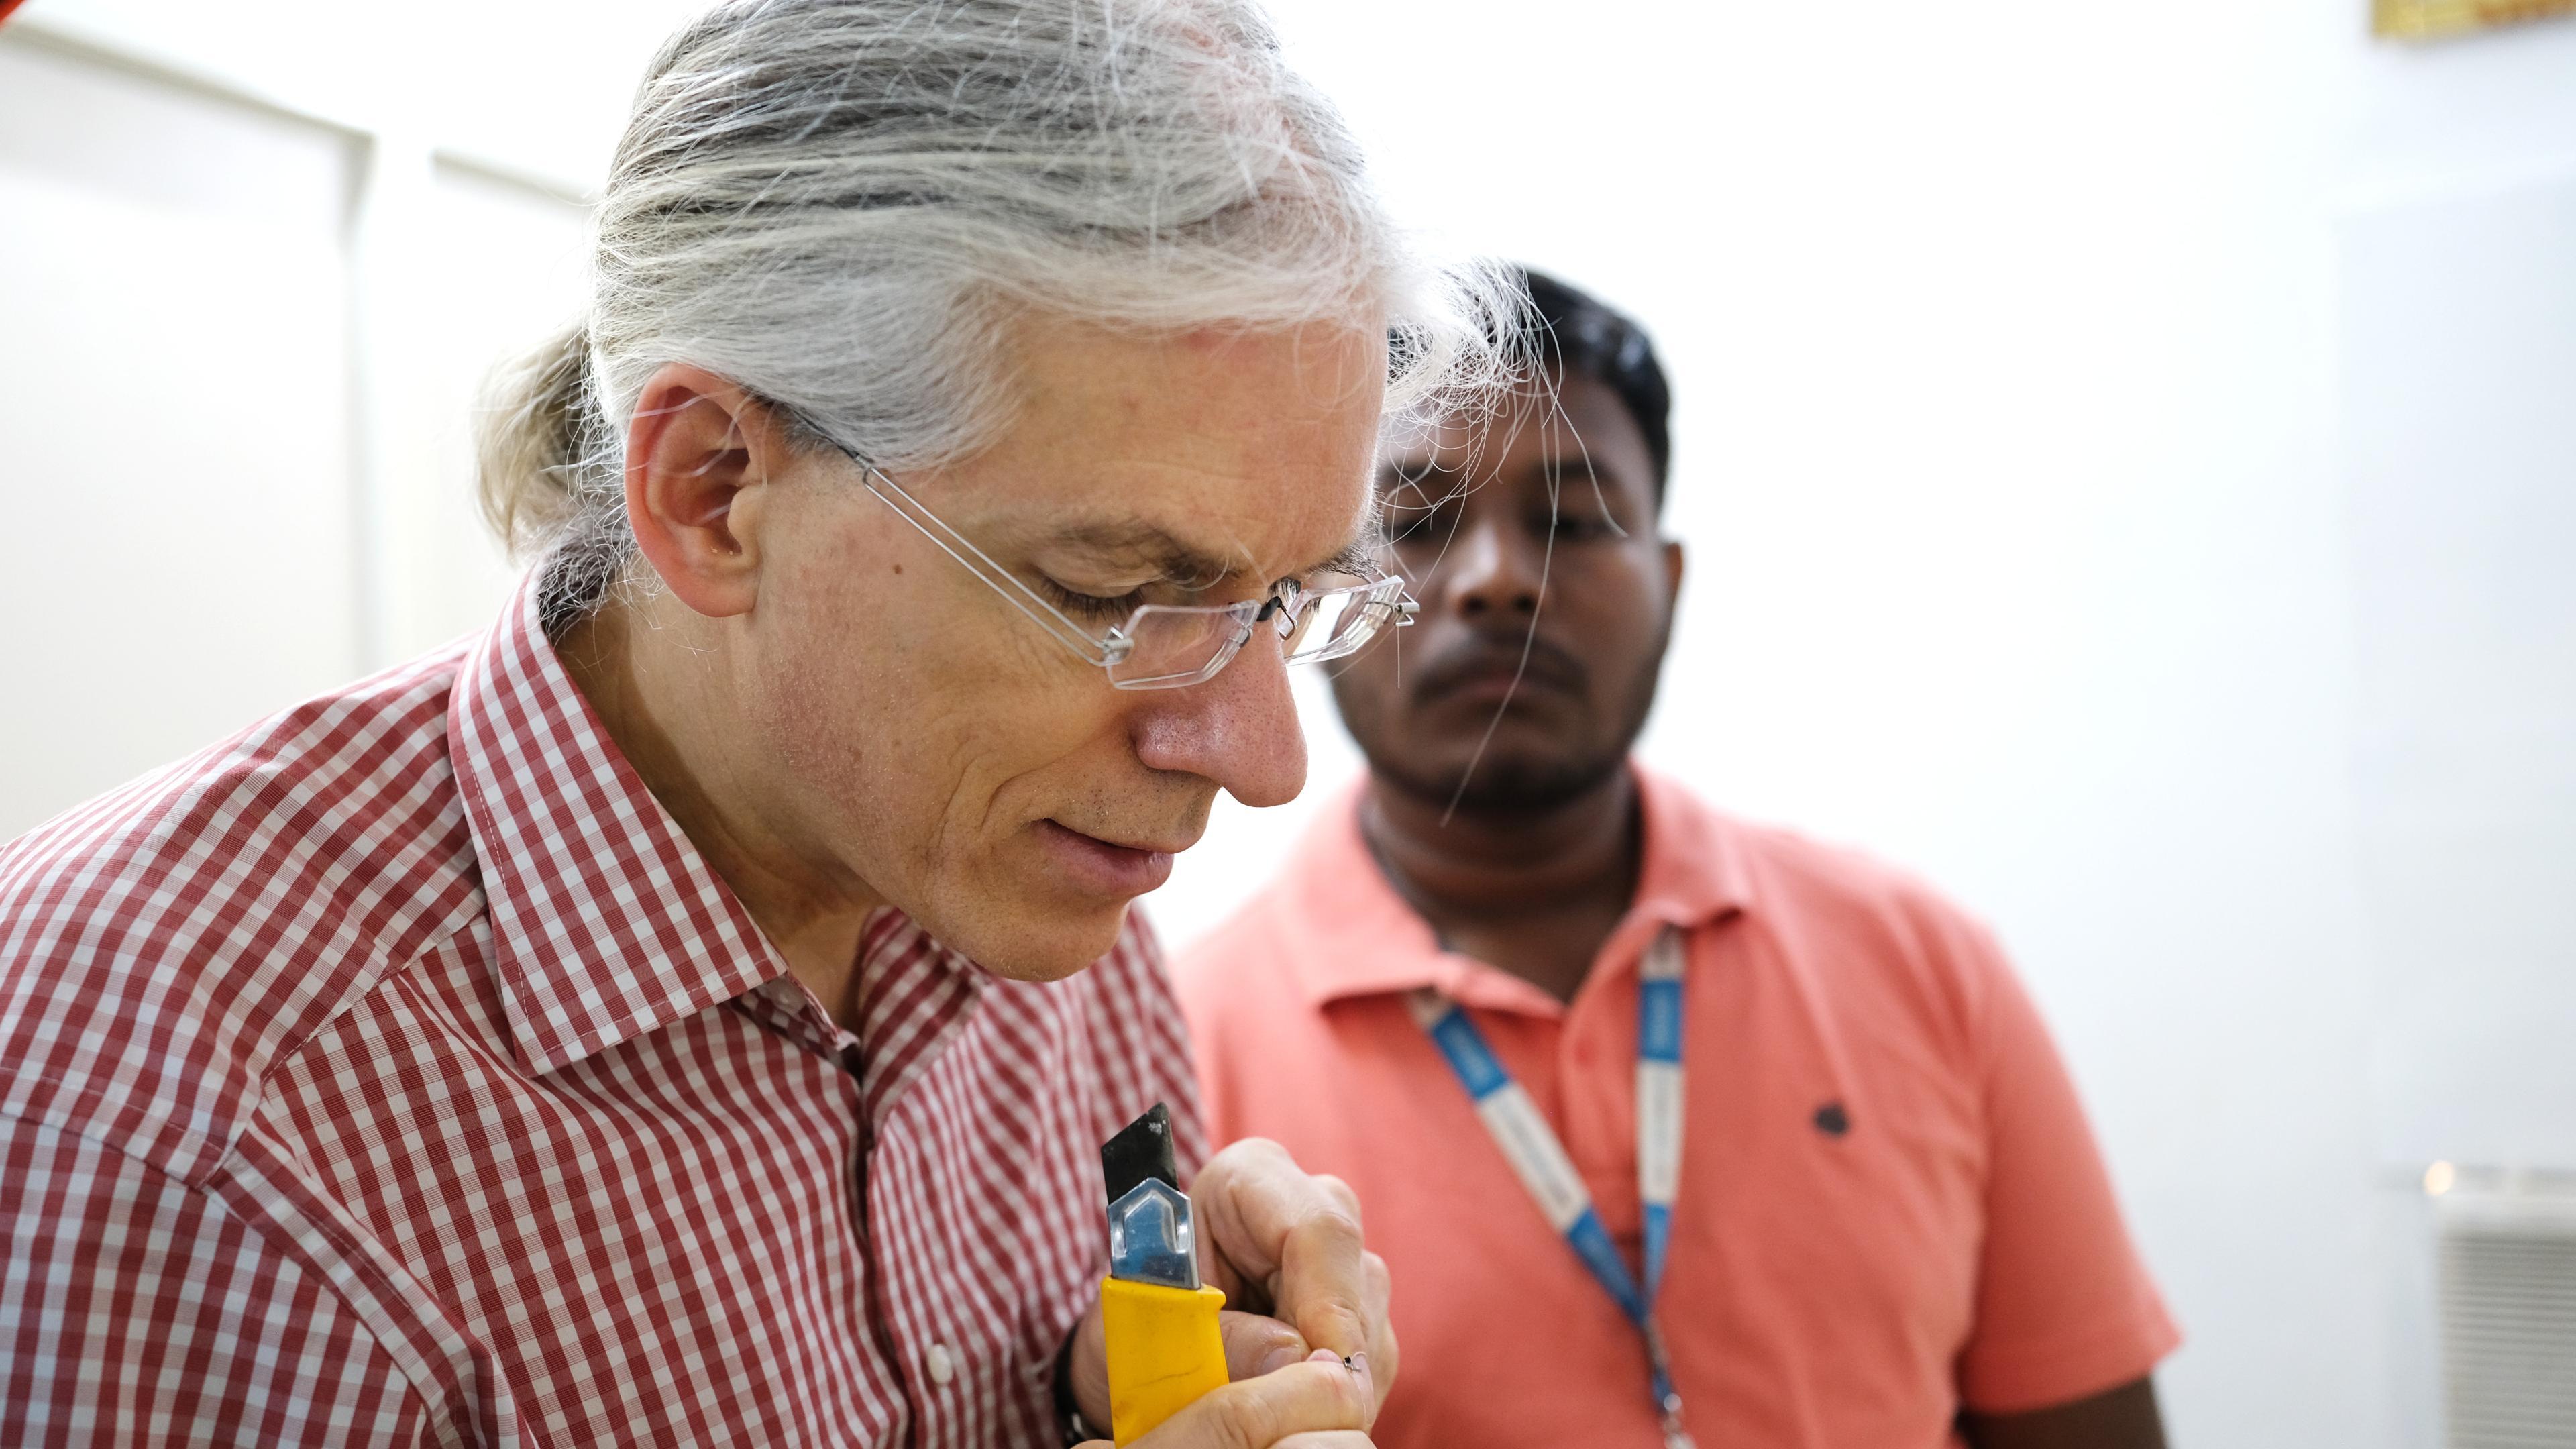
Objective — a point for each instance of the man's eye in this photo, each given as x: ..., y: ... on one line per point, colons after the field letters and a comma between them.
x: 1573, y: 525
x: 1107, y: 608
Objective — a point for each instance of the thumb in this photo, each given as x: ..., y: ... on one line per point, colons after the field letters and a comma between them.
x: 1315, y: 1397
x: 1256, y: 1345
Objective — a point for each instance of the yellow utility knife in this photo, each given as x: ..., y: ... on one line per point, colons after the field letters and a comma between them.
x: 1164, y: 1348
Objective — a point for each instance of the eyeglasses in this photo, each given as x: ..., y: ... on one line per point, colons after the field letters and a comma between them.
x: 1171, y: 646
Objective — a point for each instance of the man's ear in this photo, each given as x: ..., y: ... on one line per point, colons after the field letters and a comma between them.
x: 697, y: 455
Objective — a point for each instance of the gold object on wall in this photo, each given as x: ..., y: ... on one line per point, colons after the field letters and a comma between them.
x: 2432, y: 19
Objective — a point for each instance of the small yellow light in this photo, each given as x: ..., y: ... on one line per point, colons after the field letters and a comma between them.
x: 2438, y: 1178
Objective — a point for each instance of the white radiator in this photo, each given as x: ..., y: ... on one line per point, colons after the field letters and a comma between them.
x: 2508, y: 1285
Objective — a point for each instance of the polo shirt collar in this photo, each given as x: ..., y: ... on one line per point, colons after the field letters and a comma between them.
x: 1362, y: 939
x: 606, y: 921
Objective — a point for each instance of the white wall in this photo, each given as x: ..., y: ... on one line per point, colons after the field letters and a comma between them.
x: 174, y: 381
x: 2125, y: 456
x: 246, y: 302
x: 2459, y: 356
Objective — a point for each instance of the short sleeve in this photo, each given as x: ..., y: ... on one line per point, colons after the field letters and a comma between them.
x: 138, y: 1310
x: 2065, y: 1308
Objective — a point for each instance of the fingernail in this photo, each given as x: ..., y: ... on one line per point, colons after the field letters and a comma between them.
x: 1326, y: 1355
x: 1277, y: 1359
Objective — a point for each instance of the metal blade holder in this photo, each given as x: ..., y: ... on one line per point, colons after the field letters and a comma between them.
x: 1150, y: 1238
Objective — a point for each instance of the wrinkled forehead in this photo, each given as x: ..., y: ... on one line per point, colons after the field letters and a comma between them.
x: 1211, y: 455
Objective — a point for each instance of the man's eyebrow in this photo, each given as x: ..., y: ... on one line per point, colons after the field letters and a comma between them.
x: 1418, y: 483
x: 1141, y: 542
x: 1574, y: 465
x: 1573, y: 460
x: 1559, y: 470
x: 1357, y: 558
x: 1196, y: 568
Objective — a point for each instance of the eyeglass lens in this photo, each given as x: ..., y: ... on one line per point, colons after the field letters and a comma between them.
x: 1178, y: 646
x: 1182, y: 646
x: 1338, y: 624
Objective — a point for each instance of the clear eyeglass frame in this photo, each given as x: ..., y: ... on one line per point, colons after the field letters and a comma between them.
x: 1173, y: 646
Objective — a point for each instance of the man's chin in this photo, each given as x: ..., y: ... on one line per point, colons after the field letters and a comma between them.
x: 1019, y: 943
x: 1503, y: 782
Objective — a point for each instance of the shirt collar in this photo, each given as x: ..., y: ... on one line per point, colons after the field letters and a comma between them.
x: 1362, y: 939
x: 606, y: 921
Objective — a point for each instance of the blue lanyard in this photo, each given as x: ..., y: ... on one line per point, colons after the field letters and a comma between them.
x: 1541, y: 1163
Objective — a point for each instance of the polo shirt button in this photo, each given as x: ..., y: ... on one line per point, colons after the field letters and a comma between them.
x: 941, y: 1368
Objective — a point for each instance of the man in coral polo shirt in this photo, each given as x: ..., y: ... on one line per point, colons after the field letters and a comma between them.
x: 1860, y: 1206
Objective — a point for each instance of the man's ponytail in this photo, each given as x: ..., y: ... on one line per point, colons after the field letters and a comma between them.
x: 546, y: 472
x: 531, y: 445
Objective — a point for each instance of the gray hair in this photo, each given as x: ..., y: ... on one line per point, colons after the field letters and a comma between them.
x: 839, y: 204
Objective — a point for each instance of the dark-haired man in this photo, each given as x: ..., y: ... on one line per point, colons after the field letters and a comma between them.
x: 1667, y: 1125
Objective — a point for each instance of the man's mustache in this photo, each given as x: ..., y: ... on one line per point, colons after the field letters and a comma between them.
x: 1549, y: 665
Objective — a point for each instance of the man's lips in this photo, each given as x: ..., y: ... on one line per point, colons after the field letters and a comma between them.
x: 1104, y: 867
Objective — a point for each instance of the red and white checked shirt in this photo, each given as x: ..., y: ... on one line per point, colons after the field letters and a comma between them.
x: 397, y: 1072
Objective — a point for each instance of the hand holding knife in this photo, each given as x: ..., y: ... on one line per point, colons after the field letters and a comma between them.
x: 1266, y: 1236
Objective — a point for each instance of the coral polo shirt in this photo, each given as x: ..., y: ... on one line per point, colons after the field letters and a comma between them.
x: 1890, y: 1204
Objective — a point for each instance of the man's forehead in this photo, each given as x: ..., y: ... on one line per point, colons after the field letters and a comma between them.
x: 1562, y: 428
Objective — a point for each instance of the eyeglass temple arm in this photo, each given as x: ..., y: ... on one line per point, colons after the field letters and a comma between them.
x: 1103, y: 652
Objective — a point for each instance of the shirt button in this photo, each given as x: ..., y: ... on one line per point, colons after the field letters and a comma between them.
x: 941, y: 1368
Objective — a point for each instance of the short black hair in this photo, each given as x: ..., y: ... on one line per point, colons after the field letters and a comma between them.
x: 1576, y: 334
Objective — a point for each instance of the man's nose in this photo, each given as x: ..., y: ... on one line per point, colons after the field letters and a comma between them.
x: 1238, y: 730
x: 1491, y: 569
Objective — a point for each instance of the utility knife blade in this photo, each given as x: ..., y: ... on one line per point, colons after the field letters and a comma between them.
x: 1151, y: 1238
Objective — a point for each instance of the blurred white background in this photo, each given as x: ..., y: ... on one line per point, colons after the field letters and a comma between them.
x: 2128, y: 452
